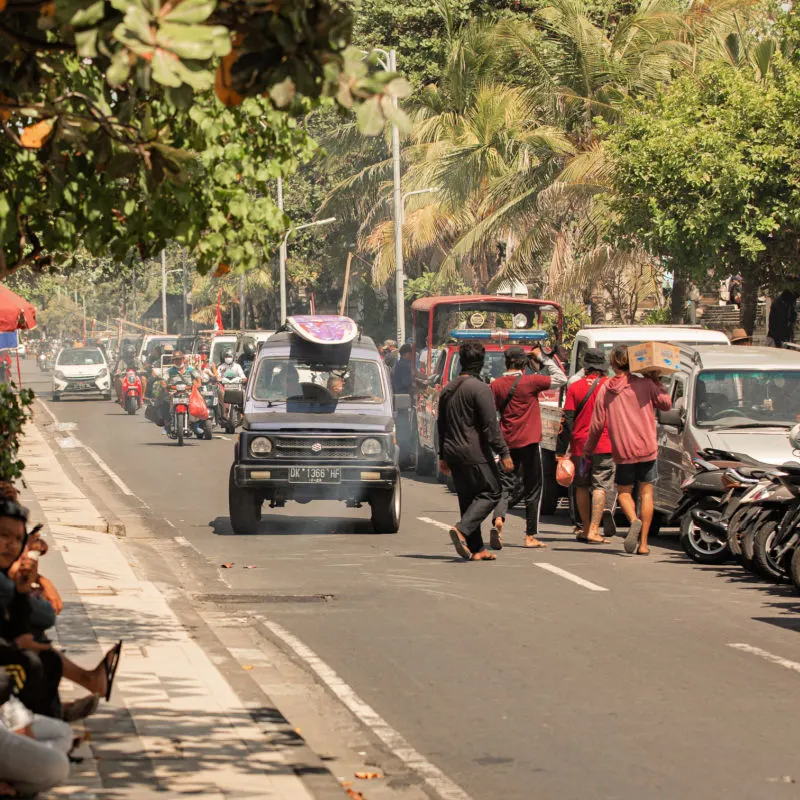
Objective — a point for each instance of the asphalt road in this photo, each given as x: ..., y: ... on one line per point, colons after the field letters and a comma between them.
x: 514, y: 680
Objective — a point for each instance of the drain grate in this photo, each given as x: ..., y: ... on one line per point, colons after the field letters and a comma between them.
x: 264, y: 598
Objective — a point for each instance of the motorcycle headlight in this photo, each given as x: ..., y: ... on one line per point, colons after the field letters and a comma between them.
x: 261, y: 446
x: 132, y: 380
x: 59, y: 375
x: 371, y: 447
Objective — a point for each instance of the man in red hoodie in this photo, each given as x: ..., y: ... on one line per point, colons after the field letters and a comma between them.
x: 625, y: 405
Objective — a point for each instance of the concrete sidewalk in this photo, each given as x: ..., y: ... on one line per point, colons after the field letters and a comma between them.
x: 174, y: 726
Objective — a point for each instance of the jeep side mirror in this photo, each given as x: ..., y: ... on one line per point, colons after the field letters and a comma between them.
x: 673, y: 417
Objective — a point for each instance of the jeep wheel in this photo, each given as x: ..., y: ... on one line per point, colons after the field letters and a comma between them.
x: 385, y: 504
x: 244, y: 508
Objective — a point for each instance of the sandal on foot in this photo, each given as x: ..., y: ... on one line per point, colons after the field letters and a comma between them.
x: 460, y: 543
x: 110, y: 664
x: 609, y: 526
x: 632, y: 539
x: 483, y: 555
x: 534, y: 545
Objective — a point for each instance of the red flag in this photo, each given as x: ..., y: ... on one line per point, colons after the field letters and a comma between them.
x: 218, y: 326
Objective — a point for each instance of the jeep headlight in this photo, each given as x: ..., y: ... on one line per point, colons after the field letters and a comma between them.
x: 103, y: 373
x: 59, y: 375
x: 371, y: 447
x: 261, y: 446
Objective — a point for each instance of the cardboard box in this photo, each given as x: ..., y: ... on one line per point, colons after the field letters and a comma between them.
x: 659, y: 357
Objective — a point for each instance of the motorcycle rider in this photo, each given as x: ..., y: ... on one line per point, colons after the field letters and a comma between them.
x: 229, y: 371
x: 178, y: 373
x: 126, y: 361
x: 247, y: 357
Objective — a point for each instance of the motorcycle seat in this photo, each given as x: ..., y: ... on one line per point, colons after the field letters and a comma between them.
x: 792, y: 467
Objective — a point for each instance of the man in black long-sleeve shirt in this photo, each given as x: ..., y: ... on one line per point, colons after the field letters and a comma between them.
x: 469, y: 438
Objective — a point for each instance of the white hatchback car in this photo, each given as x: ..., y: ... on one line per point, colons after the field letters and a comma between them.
x: 80, y: 371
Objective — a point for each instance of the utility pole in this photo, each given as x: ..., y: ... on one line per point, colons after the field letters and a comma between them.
x: 398, y: 221
x: 185, y: 309
x: 242, y: 301
x: 282, y: 257
x: 133, y: 281
x: 164, y: 291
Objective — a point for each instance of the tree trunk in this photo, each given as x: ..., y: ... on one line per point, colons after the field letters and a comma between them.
x: 751, y: 280
x: 679, y: 289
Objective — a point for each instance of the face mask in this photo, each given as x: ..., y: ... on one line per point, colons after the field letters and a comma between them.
x: 229, y: 361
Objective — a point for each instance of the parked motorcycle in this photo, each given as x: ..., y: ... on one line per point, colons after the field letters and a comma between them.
x: 132, y: 394
x: 710, y: 496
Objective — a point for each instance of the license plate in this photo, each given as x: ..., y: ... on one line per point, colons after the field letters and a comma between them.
x: 315, y: 474
x: 85, y: 385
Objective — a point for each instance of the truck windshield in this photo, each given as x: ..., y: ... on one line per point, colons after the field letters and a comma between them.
x: 283, y: 378
x: 747, y: 398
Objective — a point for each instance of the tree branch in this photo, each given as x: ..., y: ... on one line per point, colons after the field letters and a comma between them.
x: 38, y: 44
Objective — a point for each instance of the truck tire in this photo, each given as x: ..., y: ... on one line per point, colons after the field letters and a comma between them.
x: 551, y: 491
x: 244, y: 508
x: 386, y: 508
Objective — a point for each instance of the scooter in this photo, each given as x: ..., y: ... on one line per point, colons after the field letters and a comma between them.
x: 132, y: 392
x: 178, y: 427
x: 231, y: 417
x: 709, y: 495
x: 41, y: 361
x: 210, y: 393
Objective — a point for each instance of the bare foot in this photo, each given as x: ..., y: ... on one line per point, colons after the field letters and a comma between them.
x: 533, y: 542
x: 484, y: 555
x: 643, y: 551
x: 596, y: 538
x: 496, y: 535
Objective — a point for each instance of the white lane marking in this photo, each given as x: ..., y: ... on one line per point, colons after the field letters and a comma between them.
x: 110, y: 472
x: 47, y: 411
x: 767, y: 656
x: 401, y: 748
x: 169, y: 523
x: 224, y: 438
x: 70, y: 442
x: 442, y: 525
x: 570, y: 577
x: 182, y: 540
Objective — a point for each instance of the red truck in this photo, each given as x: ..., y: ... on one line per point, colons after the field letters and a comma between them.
x: 442, y: 324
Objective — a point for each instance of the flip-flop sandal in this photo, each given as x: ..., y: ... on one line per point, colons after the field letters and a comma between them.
x: 537, y: 546
x: 609, y: 526
x: 460, y: 543
x: 632, y: 539
x: 596, y: 541
x: 495, y: 539
x: 111, y: 662
x: 484, y: 556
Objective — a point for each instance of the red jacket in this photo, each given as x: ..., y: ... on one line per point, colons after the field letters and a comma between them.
x: 626, y: 405
x: 521, y: 420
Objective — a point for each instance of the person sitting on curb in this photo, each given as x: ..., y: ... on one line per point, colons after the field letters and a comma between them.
x: 626, y: 404
x: 595, y: 473
x: 25, y: 616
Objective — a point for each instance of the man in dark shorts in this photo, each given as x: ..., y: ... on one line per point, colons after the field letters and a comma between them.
x: 469, y: 439
x: 594, y: 476
x: 626, y: 404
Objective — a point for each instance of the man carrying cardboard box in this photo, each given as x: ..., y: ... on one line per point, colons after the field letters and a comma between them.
x: 626, y: 404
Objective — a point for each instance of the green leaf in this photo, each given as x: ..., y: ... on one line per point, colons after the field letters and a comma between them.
x: 283, y: 93
x: 191, y: 11
x: 86, y: 42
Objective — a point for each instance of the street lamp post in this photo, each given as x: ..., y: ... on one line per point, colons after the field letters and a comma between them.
x: 283, y: 252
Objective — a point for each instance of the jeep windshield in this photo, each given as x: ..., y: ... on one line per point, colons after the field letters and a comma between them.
x: 747, y: 398
x: 283, y: 379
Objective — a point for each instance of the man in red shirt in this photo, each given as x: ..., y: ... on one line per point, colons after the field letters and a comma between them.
x: 516, y: 398
x: 591, y: 472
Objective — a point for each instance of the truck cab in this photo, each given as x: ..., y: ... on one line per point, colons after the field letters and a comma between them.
x: 317, y: 425
x: 447, y: 322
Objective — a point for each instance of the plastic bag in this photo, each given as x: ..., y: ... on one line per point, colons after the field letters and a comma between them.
x: 565, y: 472
x: 197, y: 406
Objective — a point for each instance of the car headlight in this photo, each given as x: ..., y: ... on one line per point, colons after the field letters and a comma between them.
x: 261, y: 446
x: 103, y: 372
x: 371, y: 447
x: 59, y: 375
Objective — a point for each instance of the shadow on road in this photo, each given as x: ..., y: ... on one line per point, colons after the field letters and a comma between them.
x: 298, y: 526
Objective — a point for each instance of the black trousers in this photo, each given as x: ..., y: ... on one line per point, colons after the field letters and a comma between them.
x: 523, y: 484
x: 479, y: 491
x: 43, y: 674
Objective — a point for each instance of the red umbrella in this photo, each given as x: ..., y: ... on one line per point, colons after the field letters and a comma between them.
x: 15, y: 313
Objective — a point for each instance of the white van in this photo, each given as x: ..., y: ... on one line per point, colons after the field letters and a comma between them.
x: 606, y: 336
